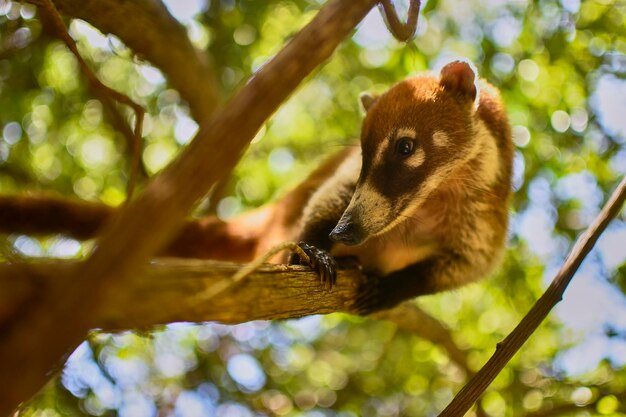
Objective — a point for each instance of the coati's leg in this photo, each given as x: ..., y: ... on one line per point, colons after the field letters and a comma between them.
x: 442, y: 272
x: 321, y: 216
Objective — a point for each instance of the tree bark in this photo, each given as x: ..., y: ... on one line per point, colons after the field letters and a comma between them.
x: 165, y: 291
x: 144, y: 226
x: 172, y: 290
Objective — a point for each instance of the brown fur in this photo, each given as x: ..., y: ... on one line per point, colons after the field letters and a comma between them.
x: 441, y: 219
x: 435, y: 219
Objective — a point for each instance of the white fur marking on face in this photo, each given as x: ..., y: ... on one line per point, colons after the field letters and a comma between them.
x: 440, y: 139
x: 405, y: 132
x: 380, y: 152
x: 417, y: 159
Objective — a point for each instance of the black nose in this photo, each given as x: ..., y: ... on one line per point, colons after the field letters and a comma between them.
x: 347, y: 233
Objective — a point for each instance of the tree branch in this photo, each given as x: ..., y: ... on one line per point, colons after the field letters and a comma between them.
x: 514, y: 341
x: 147, y: 28
x: 145, y: 225
x: 402, y: 31
x: 170, y: 290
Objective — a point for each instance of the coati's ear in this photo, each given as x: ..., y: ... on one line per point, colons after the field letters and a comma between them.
x: 459, y: 77
x: 367, y: 100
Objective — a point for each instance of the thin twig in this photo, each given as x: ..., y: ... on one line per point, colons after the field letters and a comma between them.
x: 120, y: 123
x: 61, y: 31
x: 514, y: 341
x: 401, y: 31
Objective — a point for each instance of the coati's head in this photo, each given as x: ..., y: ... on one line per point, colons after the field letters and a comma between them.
x: 413, y: 136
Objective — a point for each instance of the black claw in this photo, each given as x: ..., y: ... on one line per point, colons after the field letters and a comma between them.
x: 320, y: 261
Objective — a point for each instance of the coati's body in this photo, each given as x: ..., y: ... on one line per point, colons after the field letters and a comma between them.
x: 423, y: 204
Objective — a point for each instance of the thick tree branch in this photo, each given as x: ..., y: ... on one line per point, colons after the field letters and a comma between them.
x: 145, y: 225
x: 165, y: 291
x: 514, y: 341
x: 170, y: 290
x: 147, y: 28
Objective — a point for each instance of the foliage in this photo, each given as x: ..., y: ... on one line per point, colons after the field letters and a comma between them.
x: 560, y: 66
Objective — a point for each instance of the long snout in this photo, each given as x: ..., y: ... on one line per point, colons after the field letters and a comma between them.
x: 348, y: 231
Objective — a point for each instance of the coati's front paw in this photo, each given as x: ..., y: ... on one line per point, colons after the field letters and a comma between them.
x: 367, y: 300
x: 370, y: 297
x: 319, y: 260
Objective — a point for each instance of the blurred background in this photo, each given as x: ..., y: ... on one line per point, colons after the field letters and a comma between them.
x: 561, y: 68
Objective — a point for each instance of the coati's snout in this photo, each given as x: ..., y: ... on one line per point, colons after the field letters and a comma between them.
x: 368, y: 214
x: 348, y: 231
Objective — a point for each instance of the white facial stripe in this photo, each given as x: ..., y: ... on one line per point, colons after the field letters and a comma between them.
x: 406, y: 132
x: 440, y: 139
x: 417, y: 159
x: 380, y: 152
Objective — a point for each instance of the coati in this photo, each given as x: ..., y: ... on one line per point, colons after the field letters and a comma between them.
x: 423, y: 204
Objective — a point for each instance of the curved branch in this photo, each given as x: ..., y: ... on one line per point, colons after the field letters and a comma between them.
x: 514, y: 341
x: 147, y: 28
x: 401, y: 31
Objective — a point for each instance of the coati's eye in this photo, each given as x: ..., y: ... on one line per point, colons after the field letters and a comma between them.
x: 404, y: 146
